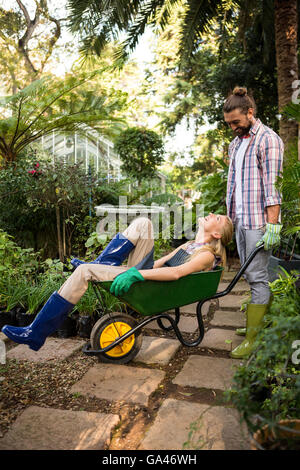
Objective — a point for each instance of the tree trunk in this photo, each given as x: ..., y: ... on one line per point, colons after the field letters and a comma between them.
x: 286, y: 29
x: 8, y: 156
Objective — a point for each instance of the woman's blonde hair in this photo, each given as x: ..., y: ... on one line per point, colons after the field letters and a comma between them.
x: 226, y: 238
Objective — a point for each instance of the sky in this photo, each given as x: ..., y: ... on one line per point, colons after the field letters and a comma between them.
x: 183, y: 137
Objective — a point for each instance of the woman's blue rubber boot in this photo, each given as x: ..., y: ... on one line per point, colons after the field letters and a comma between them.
x: 48, y: 320
x: 114, y: 253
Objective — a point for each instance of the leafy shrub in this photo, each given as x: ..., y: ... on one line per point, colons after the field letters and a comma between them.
x: 141, y: 151
x: 266, y: 388
x: 213, y: 190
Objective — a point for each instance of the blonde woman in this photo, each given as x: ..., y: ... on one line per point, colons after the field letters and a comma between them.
x: 137, y: 243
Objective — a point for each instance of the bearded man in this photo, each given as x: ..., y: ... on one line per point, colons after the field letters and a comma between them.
x: 253, y: 202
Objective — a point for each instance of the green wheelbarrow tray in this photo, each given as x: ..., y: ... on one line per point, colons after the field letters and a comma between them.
x: 153, y: 299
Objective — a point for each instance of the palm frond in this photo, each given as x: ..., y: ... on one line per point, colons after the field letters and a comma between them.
x: 292, y: 110
x: 55, y: 104
x: 198, y: 20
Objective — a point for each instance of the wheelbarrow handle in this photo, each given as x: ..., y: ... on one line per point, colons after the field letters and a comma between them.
x: 240, y: 272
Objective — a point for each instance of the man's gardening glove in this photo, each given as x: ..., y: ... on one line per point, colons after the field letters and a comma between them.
x: 124, y: 281
x: 271, y: 237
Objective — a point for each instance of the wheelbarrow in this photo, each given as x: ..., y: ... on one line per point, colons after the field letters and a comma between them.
x: 117, y: 337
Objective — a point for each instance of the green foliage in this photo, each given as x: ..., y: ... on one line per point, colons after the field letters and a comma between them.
x: 14, y: 292
x: 35, y: 296
x: 141, y: 151
x: 162, y: 247
x: 168, y: 199
x: 111, y: 303
x: 34, y: 199
x: 25, y: 280
x: 292, y: 110
x: 99, y: 23
x: 29, y: 41
x: 95, y: 244
x: 266, y: 388
x: 289, y: 185
x: 16, y: 261
x: 52, y: 104
x: 213, y: 190
x: 16, y: 216
x: 88, y: 304
x: 59, y: 185
x: 233, y: 52
x: 52, y: 274
x: 283, y: 286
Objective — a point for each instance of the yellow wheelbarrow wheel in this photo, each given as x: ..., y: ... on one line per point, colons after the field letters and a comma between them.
x: 108, y: 329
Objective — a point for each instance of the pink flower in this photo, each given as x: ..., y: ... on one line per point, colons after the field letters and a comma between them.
x: 35, y: 172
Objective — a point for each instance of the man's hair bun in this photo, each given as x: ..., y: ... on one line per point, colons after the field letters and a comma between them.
x: 239, y: 91
x: 239, y: 99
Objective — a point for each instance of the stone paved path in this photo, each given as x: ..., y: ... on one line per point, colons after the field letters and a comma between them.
x: 189, y: 413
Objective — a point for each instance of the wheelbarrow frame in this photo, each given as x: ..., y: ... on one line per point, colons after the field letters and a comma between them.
x: 173, y: 322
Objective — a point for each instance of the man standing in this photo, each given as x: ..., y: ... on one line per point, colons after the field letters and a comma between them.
x: 253, y: 203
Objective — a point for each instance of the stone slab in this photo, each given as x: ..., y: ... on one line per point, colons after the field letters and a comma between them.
x: 240, y: 286
x: 39, y: 428
x: 229, y: 275
x: 186, y: 324
x: 54, y: 348
x: 191, y: 308
x: 216, y: 338
x: 232, y: 301
x: 228, y: 318
x: 206, y: 372
x: 157, y: 350
x: 119, y: 382
x: 185, y: 425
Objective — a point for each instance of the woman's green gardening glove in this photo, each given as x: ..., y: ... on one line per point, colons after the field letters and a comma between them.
x: 124, y: 281
x: 271, y: 236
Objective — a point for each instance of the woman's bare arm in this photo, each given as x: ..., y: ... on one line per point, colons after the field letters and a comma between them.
x: 202, y: 261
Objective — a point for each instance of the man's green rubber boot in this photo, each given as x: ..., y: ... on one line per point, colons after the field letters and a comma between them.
x: 255, y: 315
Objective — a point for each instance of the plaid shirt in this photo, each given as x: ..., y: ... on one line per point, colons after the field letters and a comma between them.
x: 261, y: 166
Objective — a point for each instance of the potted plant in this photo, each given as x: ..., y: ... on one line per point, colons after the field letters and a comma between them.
x: 50, y: 279
x: 13, y: 296
x: 88, y: 310
x: 35, y: 296
x: 68, y: 328
x: 266, y: 388
x: 287, y: 255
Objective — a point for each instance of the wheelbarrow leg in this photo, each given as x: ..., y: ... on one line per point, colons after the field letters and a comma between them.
x: 169, y: 328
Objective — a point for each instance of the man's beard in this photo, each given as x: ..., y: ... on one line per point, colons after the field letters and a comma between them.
x: 241, y: 131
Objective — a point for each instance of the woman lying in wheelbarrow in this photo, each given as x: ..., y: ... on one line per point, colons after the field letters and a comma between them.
x: 137, y: 244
